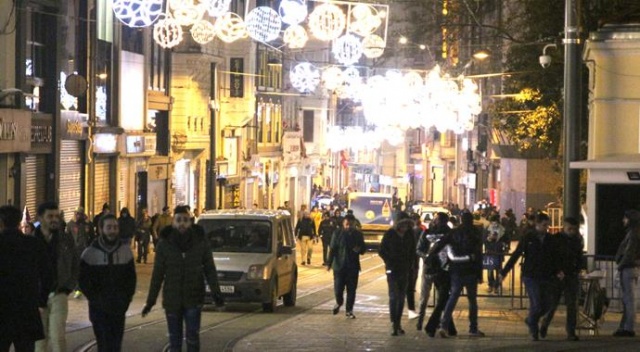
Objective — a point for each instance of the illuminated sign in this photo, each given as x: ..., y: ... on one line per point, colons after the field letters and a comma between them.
x: 105, y: 143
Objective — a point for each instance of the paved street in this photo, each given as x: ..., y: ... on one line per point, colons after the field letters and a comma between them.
x: 310, y: 326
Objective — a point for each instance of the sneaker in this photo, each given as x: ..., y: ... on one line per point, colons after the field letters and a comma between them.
x: 350, y: 315
x: 308, y: 261
x: 573, y: 338
x: 77, y: 294
x: 490, y: 289
x: 624, y: 333
x: 304, y: 263
x: 412, y: 315
x: 477, y: 333
x: 336, y: 309
x: 534, y: 336
x: 431, y: 334
x: 443, y: 333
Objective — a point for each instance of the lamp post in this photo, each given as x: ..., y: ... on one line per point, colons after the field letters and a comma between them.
x: 211, y: 165
x: 571, y: 192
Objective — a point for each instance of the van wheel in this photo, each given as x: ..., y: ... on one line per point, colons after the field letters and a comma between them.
x: 290, y: 298
x: 269, y: 307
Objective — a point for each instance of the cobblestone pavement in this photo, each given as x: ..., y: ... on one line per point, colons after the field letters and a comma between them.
x: 318, y: 330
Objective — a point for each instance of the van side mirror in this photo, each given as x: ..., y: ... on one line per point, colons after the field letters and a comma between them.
x: 284, y: 251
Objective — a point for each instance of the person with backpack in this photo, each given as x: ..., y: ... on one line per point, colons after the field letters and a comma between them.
x: 464, y: 252
x: 628, y: 261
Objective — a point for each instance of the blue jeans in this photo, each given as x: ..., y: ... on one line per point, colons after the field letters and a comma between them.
x: 540, y: 294
x: 191, y: 318
x: 628, y: 278
x: 397, y: 290
x: 345, y: 278
x: 470, y: 283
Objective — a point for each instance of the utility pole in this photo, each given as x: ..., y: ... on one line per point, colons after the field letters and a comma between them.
x: 211, y: 166
x: 571, y: 192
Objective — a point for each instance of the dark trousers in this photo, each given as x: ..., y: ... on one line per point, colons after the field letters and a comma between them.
x: 108, y: 328
x: 143, y: 251
x: 397, y: 290
x: 442, y: 282
x: 470, y: 283
x: 191, y: 318
x: 570, y: 287
x: 540, y: 294
x: 18, y: 345
x: 326, y: 241
x: 345, y: 278
x: 411, y: 289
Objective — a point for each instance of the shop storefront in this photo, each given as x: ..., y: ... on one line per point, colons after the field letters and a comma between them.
x: 15, y: 127
x: 36, y: 171
x: 105, y: 152
x: 73, y: 134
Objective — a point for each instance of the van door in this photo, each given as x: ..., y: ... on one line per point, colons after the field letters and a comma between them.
x: 285, y: 262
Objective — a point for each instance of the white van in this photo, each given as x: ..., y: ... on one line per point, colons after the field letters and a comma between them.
x: 254, y: 252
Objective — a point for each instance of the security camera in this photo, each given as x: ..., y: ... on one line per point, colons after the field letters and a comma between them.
x: 545, y: 61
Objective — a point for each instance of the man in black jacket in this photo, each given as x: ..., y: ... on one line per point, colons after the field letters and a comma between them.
x: 108, y: 280
x: 398, y: 250
x: 628, y: 261
x: 464, y: 252
x: 326, y: 229
x: 306, y: 234
x: 25, y: 282
x: 541, y: 270
x: 183, y: 261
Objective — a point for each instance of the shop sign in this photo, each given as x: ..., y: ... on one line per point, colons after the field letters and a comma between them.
x: 41, y: 133
x: 15, y: 130
x: 236, y: 77
x: 157, y: 172
x: 140, y: 144
x: 73, y: 125
x: 292, y: 147
x: 231, y: 154
x: 232, y: 197
x: 105, y: 143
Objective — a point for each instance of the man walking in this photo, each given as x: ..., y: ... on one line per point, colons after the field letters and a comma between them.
x: 64, y: 261
x: 306, y: 233
x: 108, y: 280
x: 25, y: 282
x: 628, y: 261
x: 540, y: 270
x: 326, y: 230
x: 81, y: 229
x: 183, y: 261
x: 347, y: 245
x: 398, y: 250
x: 464, y: 252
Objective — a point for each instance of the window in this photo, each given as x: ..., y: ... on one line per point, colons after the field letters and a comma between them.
x: 158, y: 62
x: 238, y: 236
x: 307, y: 126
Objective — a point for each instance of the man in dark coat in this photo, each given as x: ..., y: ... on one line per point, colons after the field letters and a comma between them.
x: 306, y: 234
x: 108, y: 280
x: 347, y: 245
x: 326, y: 230
x: 127, y: 226
x: 398, y: 250
x: 628, y: 261
x: 183, y: 262
x: 25, y: 281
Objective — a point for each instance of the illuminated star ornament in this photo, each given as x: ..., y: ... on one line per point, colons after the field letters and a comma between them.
x: 137, y: 13
x: 167, y: 32
x: 305, y: 77
x: 293, y: 11
x: 263, y: 24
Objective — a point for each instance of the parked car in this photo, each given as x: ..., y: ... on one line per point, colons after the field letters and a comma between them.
x: 254, y: 252
x: 428, y: 212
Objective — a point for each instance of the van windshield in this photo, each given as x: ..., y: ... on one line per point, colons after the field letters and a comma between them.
x: 241, y: 236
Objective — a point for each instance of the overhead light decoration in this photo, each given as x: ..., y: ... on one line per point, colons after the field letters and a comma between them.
x: 347, y: 49
x: 373, y: 46
x: 295, y: 37
x: 263, y: 24
x: 217, y: 8
x: 203, y: 32
x: 364, y: 20
x: 332, y: 78
x: 137, y: 13
x: 327, y: 22
x: 293, y: 11
x: 186, y: 12
x: 67, y: 100
x: 305, y: 77
x: 167, y: 32
x: 230, y: 27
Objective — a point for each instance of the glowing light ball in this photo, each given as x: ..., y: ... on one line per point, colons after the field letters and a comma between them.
x: 137, y: 13
x: 305, y: 77
x: 167, y: 32
x: 351, y: 74
x: 327, y: 22
x: 364, y: 20
x: 373, y: 46
x: 217, y: 8
x: 185, y: 12
x: 347, y: 49
x: 332, y: 78
x: 263, y: 24
x: 295, y: 37
x: 293, y: 11
x: 230, y: 27
x: 203, y: 32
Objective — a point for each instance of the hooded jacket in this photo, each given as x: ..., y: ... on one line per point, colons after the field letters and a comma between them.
x: 399, y: 253
x: 182, y: 263
x: 108, y: 276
